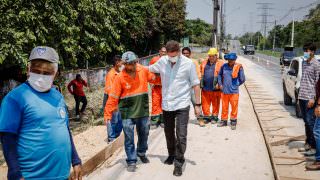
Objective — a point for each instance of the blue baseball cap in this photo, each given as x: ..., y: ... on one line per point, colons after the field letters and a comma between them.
x: 231, y: 56
x: 129, y: 56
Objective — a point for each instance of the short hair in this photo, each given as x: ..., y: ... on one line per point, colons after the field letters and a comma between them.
x: 309, y: 46
x: 116, y: 59
x: 78, y: 76
x: 186, y: 49
x: 172, y: 46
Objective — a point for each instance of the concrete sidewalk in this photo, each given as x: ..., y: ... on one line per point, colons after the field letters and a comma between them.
x: 212, y: 153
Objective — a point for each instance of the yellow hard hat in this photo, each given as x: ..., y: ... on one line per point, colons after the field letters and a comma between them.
x: 212, y: 51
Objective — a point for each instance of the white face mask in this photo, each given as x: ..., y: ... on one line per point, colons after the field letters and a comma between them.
x: 121, y: 68
x: 173, y: 59
x: 39, y: 82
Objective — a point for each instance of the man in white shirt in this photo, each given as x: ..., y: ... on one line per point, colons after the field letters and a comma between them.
x: 178, y: 77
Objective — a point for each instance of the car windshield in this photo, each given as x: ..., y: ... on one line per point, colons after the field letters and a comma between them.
x: 250, y: 48
x: 288, y: 54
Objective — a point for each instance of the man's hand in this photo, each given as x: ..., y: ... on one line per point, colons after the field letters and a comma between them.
x: 217, y: 86
x: 197, y: 111
x: 77, y: 174
x: 310, y: 103
x: 317, y: 111
x: 221, y: 87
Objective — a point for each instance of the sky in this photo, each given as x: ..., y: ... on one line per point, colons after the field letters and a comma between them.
x: 238, y: 13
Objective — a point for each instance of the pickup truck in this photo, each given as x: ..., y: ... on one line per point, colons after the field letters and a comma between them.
x: 291, y: 79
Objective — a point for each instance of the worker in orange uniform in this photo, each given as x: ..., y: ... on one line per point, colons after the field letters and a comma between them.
x: 114, y: 127
x: 231, y: 76
x: 156, y: 110
x: 211, y: 92
x: 129, y: 94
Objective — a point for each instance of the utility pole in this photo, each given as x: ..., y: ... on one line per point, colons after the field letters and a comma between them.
x: 292, y: 32
x: 222, y: 22
x: 274, y: 35
x: 251, y: 27
x: 265, y: 7
x: 216, y: 8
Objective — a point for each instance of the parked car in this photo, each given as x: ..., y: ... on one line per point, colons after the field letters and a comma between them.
x: 287, y: 55
x: 291, y: 79
x: 249, y: 49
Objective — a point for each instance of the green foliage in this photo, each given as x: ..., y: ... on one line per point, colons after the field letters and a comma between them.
x: 199, y: 32
x: 87, y: 30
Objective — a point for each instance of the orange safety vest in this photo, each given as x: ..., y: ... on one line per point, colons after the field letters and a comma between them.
x: 109, y: 80
x: 130, y: 94
x: 219, y: 64
x: 235, y: 70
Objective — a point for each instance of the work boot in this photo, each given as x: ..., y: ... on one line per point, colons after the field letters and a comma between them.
x: 154, y: 126
x: 222, y: 123
x: 310, y: 152
x: 162, y: 125
x: 233, y: 124
x: 305, y: 148
x: 201, y: 122
x: 144, y: 159
x: 169, y: 160
x: 215, y: 120
x: 177, y: 171
x: 131, y: 168
x: 315, y: 166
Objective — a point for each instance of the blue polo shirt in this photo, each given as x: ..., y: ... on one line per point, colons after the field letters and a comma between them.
x: 230, y: 85
x: 208, y: 77
x: 40, y: 122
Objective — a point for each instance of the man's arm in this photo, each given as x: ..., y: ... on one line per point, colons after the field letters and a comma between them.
x: 9, y: 147
x: 155, y: 68
x: 113, y: 99
x: 220, y: 76
x: 241, y: 75
x: 195, y: 83
x: 84, y: 83
x: 69, y: 87
x: 75, y: 160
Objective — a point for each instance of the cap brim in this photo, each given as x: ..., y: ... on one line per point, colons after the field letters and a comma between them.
x: 52, y: 61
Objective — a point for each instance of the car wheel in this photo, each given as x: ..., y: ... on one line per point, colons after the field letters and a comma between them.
x: 286, y: 98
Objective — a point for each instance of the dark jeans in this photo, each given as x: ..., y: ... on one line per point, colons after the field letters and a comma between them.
x: 176, y: 141
x: 142, y: 125
x: 309, y: 120
x: 114, y: 127
x: 83, y: 100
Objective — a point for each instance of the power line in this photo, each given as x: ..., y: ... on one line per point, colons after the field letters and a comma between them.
x: 265, y: 8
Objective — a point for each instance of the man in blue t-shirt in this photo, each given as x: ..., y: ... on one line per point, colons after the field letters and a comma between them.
x: 34, y: 129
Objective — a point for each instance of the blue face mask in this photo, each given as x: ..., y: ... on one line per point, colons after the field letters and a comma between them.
x: 306, y: 55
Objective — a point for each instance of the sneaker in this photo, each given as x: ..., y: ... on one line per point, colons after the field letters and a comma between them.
x: 83, y: 113
x: 177, y: 171
x: 169, y: 160
x: 222, y: 123
x: 131, y: 168
x: 215, y: 120
x: 78, y: 117
x: 233, y: 124
x: 315, y: 166
x: 154, y: 126
x: 305, y: 148
x: 201, y: 122
x: 311, y: 152
x: 144, y: 159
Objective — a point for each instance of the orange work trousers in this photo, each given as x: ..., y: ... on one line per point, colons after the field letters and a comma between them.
x: 156, y: 101
x: 233, y: 100
x: 209, y: 98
